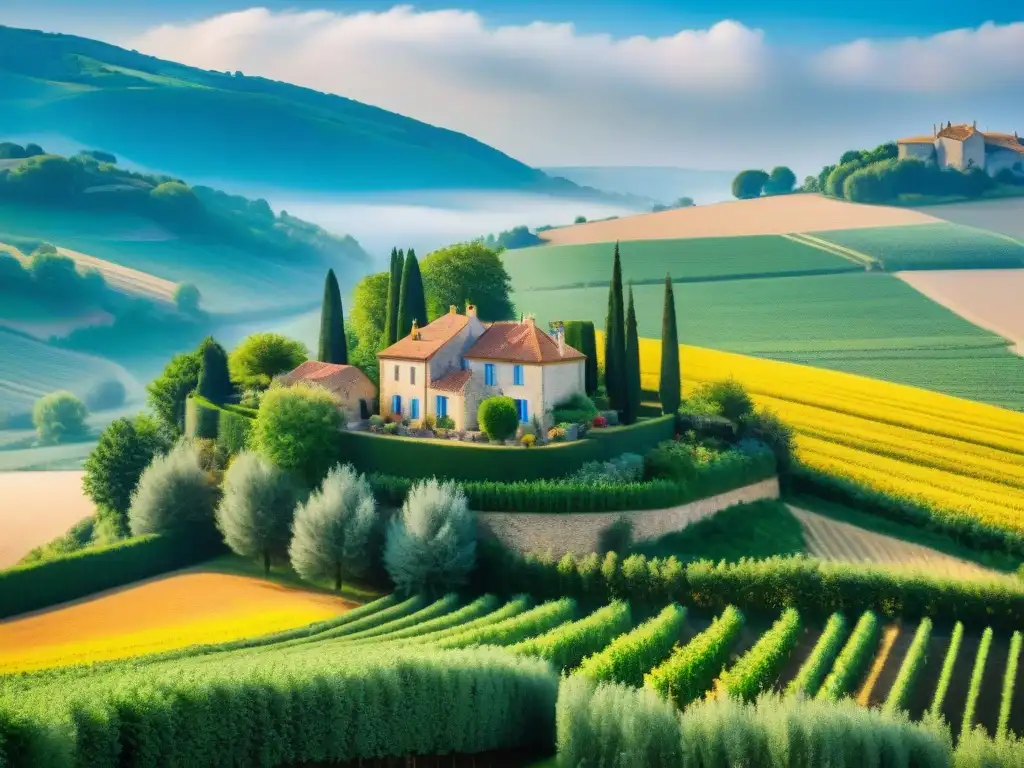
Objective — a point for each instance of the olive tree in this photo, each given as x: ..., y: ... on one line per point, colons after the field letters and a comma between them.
x: 431, y: 544
x: 255, y: 513
x: 175, y: 494
x: 332, y: 530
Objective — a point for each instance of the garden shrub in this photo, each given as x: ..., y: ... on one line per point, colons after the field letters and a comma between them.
x: 627, y: 468
x: 766, y: 427
x: 672, y: 461
x: 175, y: 493
x: 431, y: 544
x: 577, y: 409
x: 725, y: 398
x: 69, y: 577
x: 498, y: 417
x: 233, y: 432
x: 299, y: 429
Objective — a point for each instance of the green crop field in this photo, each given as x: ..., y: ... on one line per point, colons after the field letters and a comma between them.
x: 867, y: 323
x: 229, y: 279
x: 33, y: 368
x: 931, y: 246
x: 648, y: 261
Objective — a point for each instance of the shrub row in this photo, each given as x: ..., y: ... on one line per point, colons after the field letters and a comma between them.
x: 439, y: 609
x: 373, y: 620
x: 814, y: 587
x: 817, y: 665
x: 419, y: 459
x: 969, y: 531
x: 850, y: 664
x: 759, y: 667
x: 946, y: 674
x: 514, y: 607
x: 298, y: 708
x: 1009, y: 682
x: 615, y: 725
x: 510, y: 631
x: 910, y: 669
x: 731, y: 470
x: 974, y: 690
x: 458, y: 618
x: 689, y: 672
x: 627, y: 658
x: 566, y: 646
x: 81, y: 573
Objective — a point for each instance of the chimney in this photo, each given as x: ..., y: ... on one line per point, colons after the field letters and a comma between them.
x: 415, y: 333
x: 452, y: 309
x: 560, y: 338
x: 933, y: 130
x: 470, y: 310
x: 530, y: 321
x: 974, y: 125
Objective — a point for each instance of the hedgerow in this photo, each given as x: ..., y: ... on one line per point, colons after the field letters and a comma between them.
x: 689, y: 672
x: 512, y: 630
x: 910, y: 669
x: 458, y: 618
x: 817, y: 665
x: 1009, y: 681
x: 514, y: 607
x: 814, y: 587
x: 566, y: 646
x: 628, y: 657
x: 852, y: 660
x: 759, y: 667
x: 376, y: 619
x: 438, y: 609
x: 952, y: 650
x: 71, y: 576
x: 974, y: 690
x: 621, y: 727
x: 297, y: 707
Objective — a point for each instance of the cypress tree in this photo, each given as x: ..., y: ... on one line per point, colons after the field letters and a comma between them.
x: 394, y: 292
x: 580, y: 335
x: 668, y: 390
x: 632, y: 366
x: 412, y: 302
x: 615, y: 340
x: 333, y: 345
x: 214, y: 379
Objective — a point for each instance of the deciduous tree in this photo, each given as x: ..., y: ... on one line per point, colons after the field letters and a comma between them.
x: 261, y: 356
x: 59, y: 417
x: 168, y: 391
x: 467, y: 273
x: 749, y: 184
x: 298, y: 429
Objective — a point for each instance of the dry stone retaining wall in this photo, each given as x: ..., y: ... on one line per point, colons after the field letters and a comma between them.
x: 579, y: 533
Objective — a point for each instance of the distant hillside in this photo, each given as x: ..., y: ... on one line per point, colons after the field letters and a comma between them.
x: 229, y: 126
x: 658, y: 184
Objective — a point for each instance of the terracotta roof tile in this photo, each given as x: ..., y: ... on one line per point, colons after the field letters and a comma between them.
x: 432, y: 337
x: 1004, y: 141
x: 332, y: 376
x: 917, y: 140
x: 957, y: 132
x: 454, y: 381
x: 520, y: 342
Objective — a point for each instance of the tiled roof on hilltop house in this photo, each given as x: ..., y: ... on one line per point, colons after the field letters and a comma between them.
x: 329, y: 375
x: 917, y: 140
x: 454, y: 381
x: 426, y: 341
x: 1008, y: 141
x: 957, y: 132
x: 522, y: 343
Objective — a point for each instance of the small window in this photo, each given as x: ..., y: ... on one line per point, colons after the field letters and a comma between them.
x: 412, y: 375
x: 396, y: 373
x: 489, y: 374
x: 517, y: 375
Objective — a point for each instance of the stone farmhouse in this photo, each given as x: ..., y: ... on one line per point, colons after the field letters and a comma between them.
x: 964, y: 146
x: 352, y: 388
x: 449, y: 366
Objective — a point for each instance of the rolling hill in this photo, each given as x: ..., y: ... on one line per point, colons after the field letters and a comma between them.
x: 244, y: 129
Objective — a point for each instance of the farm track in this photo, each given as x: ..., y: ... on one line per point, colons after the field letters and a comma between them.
x: 858, y: 258
x: 841, y: 542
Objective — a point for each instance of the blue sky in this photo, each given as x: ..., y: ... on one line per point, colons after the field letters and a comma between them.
x: 690, y: 83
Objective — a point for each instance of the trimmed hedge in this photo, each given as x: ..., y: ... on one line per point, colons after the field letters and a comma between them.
x: 814, y: 587
x: 732, y: 470
x: 418, y: 459
x: 965, y: 530
x: 40, y: 585
x: 202, y: 418
x: 229, y: 424
x: 233, y: 432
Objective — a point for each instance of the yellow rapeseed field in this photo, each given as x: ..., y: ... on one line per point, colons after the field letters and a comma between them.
x: 161, y: 615
x: 962, y: 457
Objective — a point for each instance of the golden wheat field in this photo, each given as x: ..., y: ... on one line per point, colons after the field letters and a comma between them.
x: 161, y: 615
x: 964, y: 457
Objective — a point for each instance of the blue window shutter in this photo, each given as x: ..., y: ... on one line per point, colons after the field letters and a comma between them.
x: 489, y: 374
x: 518, y: 375
x: 414, y: 406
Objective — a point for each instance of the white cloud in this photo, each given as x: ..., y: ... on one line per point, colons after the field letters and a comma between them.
x: 550, y: 95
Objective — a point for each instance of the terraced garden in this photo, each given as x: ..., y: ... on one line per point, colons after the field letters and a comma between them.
x: 870, y: 324
x: 930, y: 246
x: 648, y: 261
x: 418, y: 647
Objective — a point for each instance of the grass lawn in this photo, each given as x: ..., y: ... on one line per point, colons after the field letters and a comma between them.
x: 904, y: 532
x: 871, y: 324
x: 648, y: 261
x: 759, y: 530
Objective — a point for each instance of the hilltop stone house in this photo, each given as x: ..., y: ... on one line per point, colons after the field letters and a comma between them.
x: 964, y: 146
x: 448, y: 367
x: 353, y: 388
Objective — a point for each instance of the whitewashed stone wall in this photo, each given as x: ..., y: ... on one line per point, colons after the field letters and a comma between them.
x: 580, y: 533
